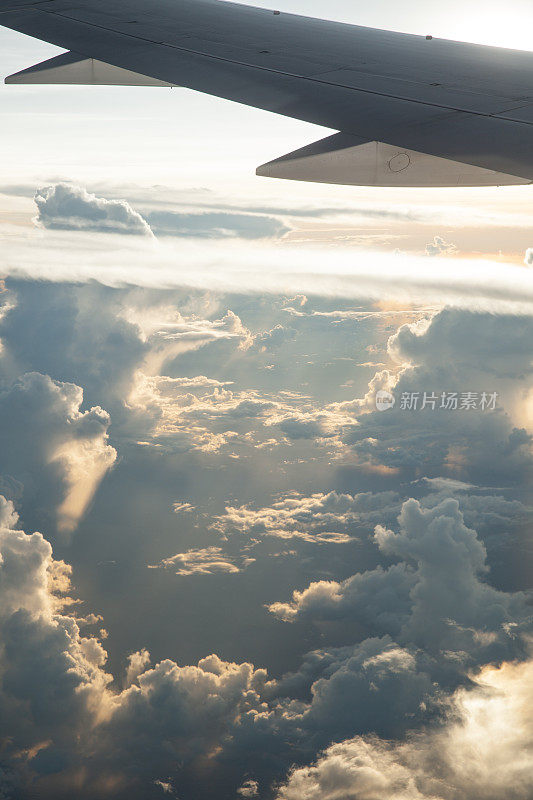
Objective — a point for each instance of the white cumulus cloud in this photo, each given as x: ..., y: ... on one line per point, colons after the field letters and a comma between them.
x: 68, y: 207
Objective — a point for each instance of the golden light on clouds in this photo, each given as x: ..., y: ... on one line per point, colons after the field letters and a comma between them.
x: 85, y: 464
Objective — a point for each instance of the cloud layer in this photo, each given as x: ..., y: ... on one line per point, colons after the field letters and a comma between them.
x: 356, y: 577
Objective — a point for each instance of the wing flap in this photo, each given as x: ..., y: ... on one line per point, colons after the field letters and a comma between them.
x: 73, y: 68
x: 352, y: 161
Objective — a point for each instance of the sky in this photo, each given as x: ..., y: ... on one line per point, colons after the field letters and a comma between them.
x: 266, y: 456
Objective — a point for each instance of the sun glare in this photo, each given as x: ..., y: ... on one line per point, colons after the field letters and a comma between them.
x: 492, y: 25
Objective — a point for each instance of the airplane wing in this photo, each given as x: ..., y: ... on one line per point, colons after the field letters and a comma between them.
x: 409, y: 110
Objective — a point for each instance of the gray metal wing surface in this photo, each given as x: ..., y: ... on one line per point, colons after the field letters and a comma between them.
x: 410, y: 110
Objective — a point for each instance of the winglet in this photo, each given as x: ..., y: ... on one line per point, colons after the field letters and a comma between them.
x: 72, y: 68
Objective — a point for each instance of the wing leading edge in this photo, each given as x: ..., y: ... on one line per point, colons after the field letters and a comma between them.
x: 411, y: 111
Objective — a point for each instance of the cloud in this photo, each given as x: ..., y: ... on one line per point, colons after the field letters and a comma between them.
x: 60, y: 704
x: 318, y: 518
x: 166, y: 786
x: 374, y: 637
x: 203, y: 419
x: 152, y: 365
x: 26, y: 563
x: 183, y: 335
x: 138, y: 663
x: 206, y: 561
x: 57, y: 452
x: 8, y: 515
x: 439, y: 247
x: 218, y: 718
x: 271, y: 340
x: 77, y: 334
x: 179, y: 508
x: 304, y: 426
x: 216, y: 225
x: 45, y: 657
x: 492, y: 515
x: 239, y: 266
x: 491, y: 345
x: 248, y: 789
x: 452, y: 351
x: 482, y: 751
x: 68, y: 207
x: 464, y: 622
x: 185, y: 410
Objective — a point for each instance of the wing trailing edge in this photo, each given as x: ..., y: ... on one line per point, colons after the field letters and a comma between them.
x: 352, y: 161
x: 74, y: 69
